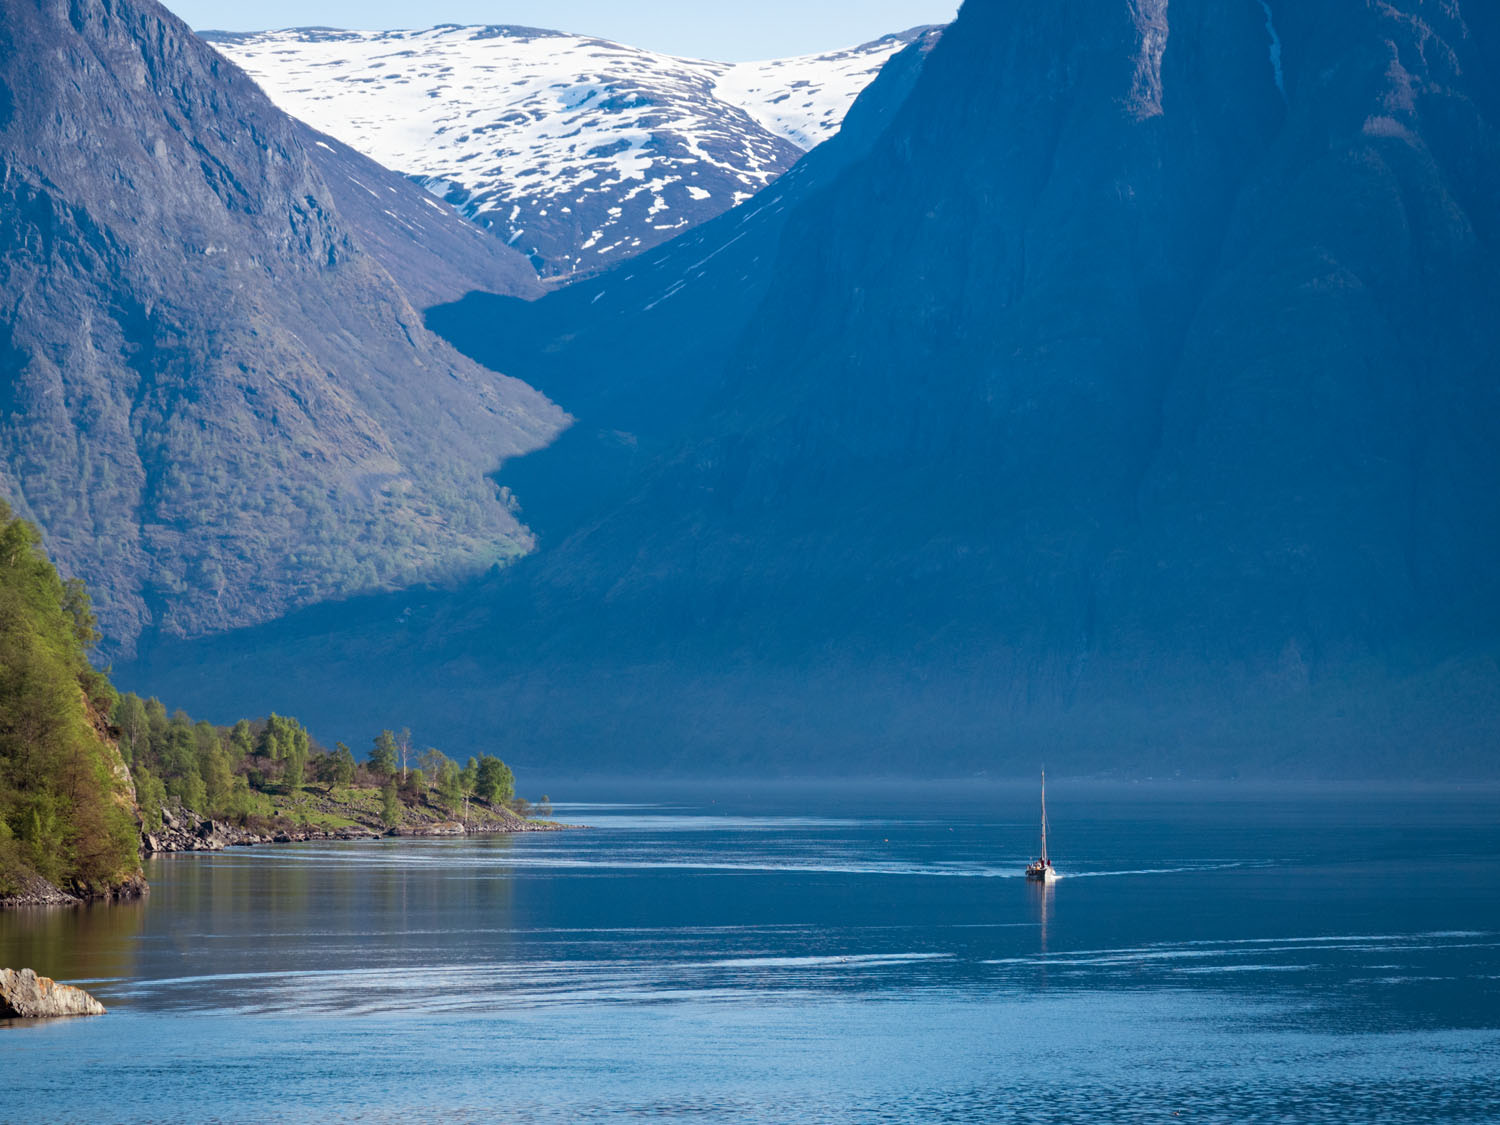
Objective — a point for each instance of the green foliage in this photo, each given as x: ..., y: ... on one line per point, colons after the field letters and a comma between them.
x: 214, y: 771
x: 390, y: 803
x: 11, y: 864
x: 431, y: 762
x: 450, y: 782
x: 241, y: 740
x: 494, y: 781
x: 337, y: 769
x: 383, y: 757
x: 416, y: 785
x: 65, y: 804
x: 151, y: 796
x: 130, y: 718
x: 64, y: 798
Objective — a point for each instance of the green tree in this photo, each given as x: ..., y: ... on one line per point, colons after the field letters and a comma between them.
x: 431, y: 762
x: 150, y: 795
x: 495, y: 783
x: 383, y: 757
x: 241, y: 741
x: 156, y: 721
x: 390, y: 803
x: 295, y: 767
x: 342, y: 766
x: 450, y: 782
x: 214, y: 767
x: 177, y: 758
x: 130, y: 717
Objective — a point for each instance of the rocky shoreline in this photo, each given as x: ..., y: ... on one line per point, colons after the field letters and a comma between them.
x: 185, y: 831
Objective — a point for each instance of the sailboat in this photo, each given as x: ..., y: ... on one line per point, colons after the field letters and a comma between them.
x: 1041, y: 870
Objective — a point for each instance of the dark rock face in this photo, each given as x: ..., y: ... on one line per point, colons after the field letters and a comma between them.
x: 216, y: 401
x: 24, y: 995
x: 1130, y: 400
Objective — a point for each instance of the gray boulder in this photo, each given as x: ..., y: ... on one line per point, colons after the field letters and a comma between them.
x: 24, y: 995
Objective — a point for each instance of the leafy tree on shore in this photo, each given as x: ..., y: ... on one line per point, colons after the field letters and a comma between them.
x: 390, y: 803
x: 296, y: 768
x: 450, y: 782
x: 342, y: 771
x: 241, y: 740
x: 431, y: 762
x: 494, y: 782
x: 64, y: 803
x: 383, y: 757
x: 130, y: 717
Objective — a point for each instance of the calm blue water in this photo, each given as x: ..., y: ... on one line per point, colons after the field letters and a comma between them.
x: 798, y: 955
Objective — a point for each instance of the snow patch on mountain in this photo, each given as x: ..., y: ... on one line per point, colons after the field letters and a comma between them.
x: 577, y: 150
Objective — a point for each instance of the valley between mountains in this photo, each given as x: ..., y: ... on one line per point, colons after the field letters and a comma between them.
x: 577, y: 151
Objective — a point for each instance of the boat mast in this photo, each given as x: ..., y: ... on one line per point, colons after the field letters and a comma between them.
x: 1044, y: 818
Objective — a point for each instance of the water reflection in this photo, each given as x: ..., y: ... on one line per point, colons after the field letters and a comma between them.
x: 78, y: 944
x: 1041, y: 905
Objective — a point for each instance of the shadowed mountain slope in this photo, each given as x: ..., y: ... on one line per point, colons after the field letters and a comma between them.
x: 1130, y: 401
x: 216, y: 402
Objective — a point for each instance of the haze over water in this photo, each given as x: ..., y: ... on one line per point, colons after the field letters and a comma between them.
x: 803, y: 954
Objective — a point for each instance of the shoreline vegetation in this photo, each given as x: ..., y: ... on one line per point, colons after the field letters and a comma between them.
x: 92, y: 780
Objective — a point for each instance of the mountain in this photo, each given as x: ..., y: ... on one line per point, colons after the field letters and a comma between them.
x: 216, y: 400
x: 576, y: 150
x: 1126, y: 401
x: 437, y: 255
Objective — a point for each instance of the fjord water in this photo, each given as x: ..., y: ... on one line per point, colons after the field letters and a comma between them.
x: 805, y: 954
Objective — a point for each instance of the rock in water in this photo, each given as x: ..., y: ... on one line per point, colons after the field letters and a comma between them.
x: 24, y: 995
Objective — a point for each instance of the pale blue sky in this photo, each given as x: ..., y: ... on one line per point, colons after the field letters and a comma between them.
x: 733, y: 31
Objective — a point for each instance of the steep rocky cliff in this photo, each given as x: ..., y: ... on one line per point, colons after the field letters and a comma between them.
x: 216, y: 402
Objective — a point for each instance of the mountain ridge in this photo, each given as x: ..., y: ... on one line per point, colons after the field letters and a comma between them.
x: 1123, y: 403
x: 210, y: 386
x: 578, y: 150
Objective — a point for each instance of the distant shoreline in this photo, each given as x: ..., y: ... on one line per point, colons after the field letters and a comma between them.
x: 185, y: 832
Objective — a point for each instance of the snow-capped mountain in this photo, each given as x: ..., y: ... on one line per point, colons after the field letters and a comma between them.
x: 577, y: 151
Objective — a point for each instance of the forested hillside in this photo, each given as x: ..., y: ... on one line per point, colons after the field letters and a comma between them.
x: 67, y: 806
x: 87, y: 774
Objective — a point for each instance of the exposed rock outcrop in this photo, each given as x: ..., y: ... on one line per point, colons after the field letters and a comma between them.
x: 24, y: 995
